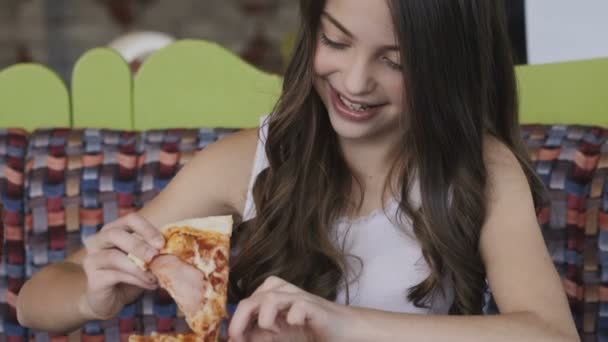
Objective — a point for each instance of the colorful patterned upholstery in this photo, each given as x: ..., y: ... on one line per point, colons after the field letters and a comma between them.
x: 13, y: 147
x: 77, y: 180
x: 573, y: 163
x: 166, y: 151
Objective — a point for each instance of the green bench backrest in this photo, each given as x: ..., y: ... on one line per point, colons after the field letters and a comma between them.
x: 194, y: 83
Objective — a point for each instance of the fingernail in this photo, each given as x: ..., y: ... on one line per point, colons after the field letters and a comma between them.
x: 159, y: 242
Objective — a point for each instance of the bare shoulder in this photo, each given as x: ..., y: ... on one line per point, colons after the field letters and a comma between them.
x: 214, y: 182
x: 513, y: 248
x: 234, y: 155
x: 505, y: 173
x: 497, y: 154
x: 236, y: 148
x: 508, y: 194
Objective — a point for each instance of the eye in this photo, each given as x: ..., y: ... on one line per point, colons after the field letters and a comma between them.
x: 332, y: 44
x: 391, y: 64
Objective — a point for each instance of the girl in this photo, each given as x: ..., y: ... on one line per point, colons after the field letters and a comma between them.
x: 389, y: 184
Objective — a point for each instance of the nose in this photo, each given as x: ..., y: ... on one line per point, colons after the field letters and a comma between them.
x: 358, y: 78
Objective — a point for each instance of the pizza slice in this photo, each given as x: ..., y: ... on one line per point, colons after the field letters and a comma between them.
x: 193, y: 268
x: 166, y: 338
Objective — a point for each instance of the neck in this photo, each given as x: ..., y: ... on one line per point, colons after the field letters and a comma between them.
x: 370, y: 164
x: 370, y: 161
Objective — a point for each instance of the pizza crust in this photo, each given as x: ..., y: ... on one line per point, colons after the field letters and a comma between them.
x: 204, y: 244
x: 165, y: 338
x: 218, y: 224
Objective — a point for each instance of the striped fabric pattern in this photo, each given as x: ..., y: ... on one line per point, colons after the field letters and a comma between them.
x: 79, y: 180
x: 13, y: 149
x: 166, y: 152
x: 573, y: 163
x: 61, y: 186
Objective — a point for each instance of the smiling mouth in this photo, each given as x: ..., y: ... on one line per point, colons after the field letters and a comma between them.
x: 355, y: 105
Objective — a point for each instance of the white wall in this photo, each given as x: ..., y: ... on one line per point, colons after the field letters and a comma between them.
x: 562, y: 30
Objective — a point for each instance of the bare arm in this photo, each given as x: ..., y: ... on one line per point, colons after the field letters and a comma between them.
x: 213, y: 183
x: 524, y: 282
x: 59, y: 312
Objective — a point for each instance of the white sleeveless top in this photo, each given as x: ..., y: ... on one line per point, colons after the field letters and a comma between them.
x: 385, y: 259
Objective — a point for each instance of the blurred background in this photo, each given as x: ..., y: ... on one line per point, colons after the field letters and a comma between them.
x: 57, y: 32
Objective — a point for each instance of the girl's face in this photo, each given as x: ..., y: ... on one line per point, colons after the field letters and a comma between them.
x: 358, y: 69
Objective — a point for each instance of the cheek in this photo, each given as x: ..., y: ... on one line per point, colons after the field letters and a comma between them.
x: 324, y: 62
x: 396, y: 91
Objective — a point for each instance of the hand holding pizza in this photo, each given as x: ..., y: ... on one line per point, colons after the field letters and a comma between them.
x: 113, y: 280
x: 277, y: 300
x: 193, y: 267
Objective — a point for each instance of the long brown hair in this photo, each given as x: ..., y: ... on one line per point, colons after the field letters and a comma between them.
x: 460, y: 87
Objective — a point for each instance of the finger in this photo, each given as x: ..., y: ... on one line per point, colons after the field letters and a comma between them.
x: 271, y: 305
x: 113, y: 259
x: 119, y: 238
x: 111, y: 278
x: 296, y: 316
x: 259, y: 335
x: 275, y: 283
x: 146, y: 230
x: 136, y: 224
x: 244, y: 314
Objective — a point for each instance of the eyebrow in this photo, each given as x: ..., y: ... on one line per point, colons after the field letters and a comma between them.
x: 337, y: 24
x: 341, y: 27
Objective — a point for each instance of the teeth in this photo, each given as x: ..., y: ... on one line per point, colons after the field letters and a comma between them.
x: 354, y: 106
